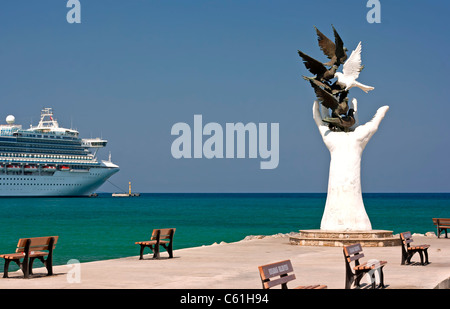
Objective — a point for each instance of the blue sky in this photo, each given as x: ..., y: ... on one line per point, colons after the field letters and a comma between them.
x: 132, y: 69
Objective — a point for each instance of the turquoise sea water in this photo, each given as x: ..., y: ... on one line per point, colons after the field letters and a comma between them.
x: 107, y: 227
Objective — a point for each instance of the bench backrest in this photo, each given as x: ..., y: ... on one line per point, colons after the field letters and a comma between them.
x: 163, y: 234
x: 406, y: 238
x: 441, y: 221
x: 36, y: 243
x: 280, y: 270
x: 353, y: 253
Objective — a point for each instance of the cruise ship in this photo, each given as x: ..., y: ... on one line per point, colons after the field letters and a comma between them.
x: 48, y: 160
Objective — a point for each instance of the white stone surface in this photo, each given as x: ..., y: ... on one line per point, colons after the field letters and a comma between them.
x: 344, y: 208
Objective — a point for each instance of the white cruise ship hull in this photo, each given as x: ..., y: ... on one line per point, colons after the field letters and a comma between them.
x: 61, y: 183
x: 49, y: 160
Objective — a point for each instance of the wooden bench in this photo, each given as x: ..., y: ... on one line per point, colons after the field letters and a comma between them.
x: 442, y: 225
x: 160, y: 237
x: 281, y: 271
x: 408, y: 250
x: 30, y: 249
x: 353, y: 253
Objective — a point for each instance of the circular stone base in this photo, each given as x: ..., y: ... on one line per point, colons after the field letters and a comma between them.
x: 372, y: 238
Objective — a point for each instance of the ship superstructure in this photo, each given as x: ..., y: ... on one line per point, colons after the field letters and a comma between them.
x: 47, y: 160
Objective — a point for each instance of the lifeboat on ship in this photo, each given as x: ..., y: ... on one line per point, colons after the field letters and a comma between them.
x: 64, y: 168
x: 30, y: 168
x: 49, y: 168
x: 13, y: 168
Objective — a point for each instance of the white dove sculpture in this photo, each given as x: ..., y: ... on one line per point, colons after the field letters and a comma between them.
x: 350, y: 72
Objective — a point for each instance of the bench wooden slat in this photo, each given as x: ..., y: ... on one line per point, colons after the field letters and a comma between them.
x: 281, y: 280
x: 163, y: 233
x: 37, y: 243
x: 275, y: 269
x: 441, y: 221
x: 309, y: 287
x: 353, y: 252
x: 151, y: 242
x: 15, y: 256
x: 405, y: 235
x: 370, y: 266
x: 419, y: 247
x: 355, y: 257
x: 352, y: 249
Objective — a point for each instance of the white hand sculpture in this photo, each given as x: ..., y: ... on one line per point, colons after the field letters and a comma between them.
x: 344, y: 208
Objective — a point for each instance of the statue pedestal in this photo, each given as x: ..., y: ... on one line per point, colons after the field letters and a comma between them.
x: 373, y: 238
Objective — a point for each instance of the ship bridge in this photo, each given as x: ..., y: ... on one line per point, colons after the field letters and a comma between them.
x: 48, y: 124
x: 93, y: 142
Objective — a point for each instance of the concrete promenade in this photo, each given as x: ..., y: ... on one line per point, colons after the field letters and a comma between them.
x: 235, y: 266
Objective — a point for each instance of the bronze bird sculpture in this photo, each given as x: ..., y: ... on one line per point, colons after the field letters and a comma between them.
x: 344, y: 123
x: 317, y: 68
x: 338, y: 107
x: 335, y: 51
x: 334, y: 88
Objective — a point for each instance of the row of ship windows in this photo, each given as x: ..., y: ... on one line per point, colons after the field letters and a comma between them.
x: 47, y: 136
x: 18, y: 155
x: 7, y: 178
x: 32, y: 144
x: 46, y: 139
x: 40, y: 184
x: 29, y: 178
